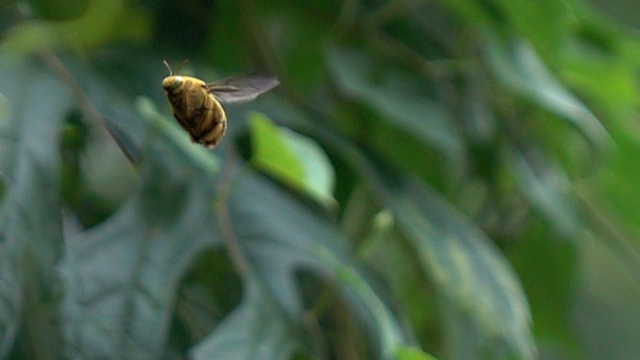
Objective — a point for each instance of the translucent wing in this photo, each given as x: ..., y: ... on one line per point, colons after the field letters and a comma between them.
x: 241, y: 88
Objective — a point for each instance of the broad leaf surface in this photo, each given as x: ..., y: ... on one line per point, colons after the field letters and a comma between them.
x: 31, y: 216
x: 120, y: 277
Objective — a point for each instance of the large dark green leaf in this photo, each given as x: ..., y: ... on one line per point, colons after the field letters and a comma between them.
x: 120, y: 277
x: 31, y: 218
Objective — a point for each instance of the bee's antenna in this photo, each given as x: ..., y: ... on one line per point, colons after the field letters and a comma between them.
x: 168, y: 67
x: 185, y: 62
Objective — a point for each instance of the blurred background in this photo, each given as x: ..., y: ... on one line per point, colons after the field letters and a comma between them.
x: 451, y: 179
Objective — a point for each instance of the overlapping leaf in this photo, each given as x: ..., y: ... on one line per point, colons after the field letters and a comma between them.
x: 547, y: 188
x: 481, y: 295
x: 276, y: 244
x: 475, y: 280
x: 519, y: 68
x: 395, y: 100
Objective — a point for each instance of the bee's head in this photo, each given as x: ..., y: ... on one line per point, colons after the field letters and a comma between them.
x: 172, y: 82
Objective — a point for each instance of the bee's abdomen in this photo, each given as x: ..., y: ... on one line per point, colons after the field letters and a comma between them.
x: 212, y: 124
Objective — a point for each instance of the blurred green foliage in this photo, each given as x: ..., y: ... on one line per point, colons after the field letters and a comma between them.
x: 450, y: 179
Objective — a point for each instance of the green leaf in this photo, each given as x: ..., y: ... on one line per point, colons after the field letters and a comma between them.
x: 395, y: 99
x: 292, y: 158
x: 547, y: 188
x: 272, y: 153
x: 121, y: 276
x: 412, y: 353
x: 388, y: 252
x: 474, y: 279
x: 518, y: 67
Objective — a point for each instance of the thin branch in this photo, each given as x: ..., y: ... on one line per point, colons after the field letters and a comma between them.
x: 86, y: 106
x: 221, y: 207
x: 395, y: 49
x: 606, y: 228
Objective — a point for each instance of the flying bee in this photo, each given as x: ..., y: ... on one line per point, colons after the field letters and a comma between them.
x: 197, y: 105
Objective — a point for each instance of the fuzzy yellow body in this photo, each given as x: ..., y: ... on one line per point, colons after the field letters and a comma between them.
x: 197, y: 105
x: 197, y: 110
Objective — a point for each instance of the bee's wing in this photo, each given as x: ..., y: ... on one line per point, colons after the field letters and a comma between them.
x: 241, y: 88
